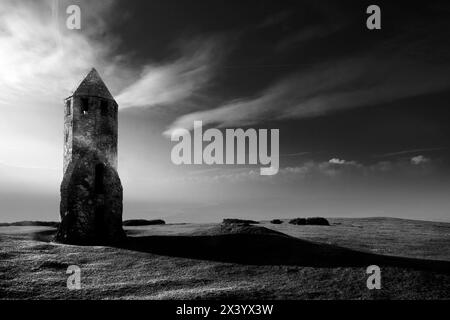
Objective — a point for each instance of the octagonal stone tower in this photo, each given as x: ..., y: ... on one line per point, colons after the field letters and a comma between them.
x: 91, y: 192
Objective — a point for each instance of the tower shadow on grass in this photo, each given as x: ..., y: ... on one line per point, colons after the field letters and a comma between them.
x: 260, y: 246
x: 272, y: 249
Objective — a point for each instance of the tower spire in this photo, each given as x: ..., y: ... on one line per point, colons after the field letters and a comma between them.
x: 93, y: 85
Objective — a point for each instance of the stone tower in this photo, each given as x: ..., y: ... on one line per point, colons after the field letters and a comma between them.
x: 91, y: 192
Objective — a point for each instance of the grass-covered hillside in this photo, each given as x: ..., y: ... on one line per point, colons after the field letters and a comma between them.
x: 217, y: 261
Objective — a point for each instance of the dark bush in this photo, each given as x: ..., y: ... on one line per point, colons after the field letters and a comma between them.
x: 317, y: 221
x: 276, y: 221
x: 240, y: 221
x: 142, y: 222
x: 298, y: 221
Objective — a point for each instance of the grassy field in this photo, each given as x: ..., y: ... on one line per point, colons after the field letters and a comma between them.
x: 208, y: 261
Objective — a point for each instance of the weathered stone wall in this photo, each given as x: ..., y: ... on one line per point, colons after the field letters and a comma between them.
x: 68, y: 136
x: 87, y: 215
x: 95, y: 130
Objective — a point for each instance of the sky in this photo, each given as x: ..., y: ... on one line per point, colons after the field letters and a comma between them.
x: 363, y: 114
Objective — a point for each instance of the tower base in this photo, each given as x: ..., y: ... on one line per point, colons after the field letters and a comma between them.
x: 91, y: 203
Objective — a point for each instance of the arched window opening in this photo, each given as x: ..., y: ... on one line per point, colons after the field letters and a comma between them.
x: 84, y: 105
x: 68, y: 111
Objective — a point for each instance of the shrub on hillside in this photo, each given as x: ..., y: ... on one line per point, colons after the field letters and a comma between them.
x: 314, y: 221
x: 317, y: 221
x: 276, y: 221
x: 298, y: 221
x: 142, y: 222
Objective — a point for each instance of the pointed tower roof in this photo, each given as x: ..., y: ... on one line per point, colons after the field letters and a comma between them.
x: 93, y: 85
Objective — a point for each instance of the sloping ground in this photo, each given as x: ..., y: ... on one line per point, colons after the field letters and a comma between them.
x: 250, y: 244
x: 275, y: 266
x: 389, y: 236
x: 236, y: 228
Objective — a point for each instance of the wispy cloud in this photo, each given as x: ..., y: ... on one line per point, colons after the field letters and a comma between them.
x: 39, y: 58
x: 308, y: 33
x: 420, y: 159
x: 328, y: 88
x: 336, y: 170
x: 295, y: 154
x: 342, y: 162
x: 410, y: 151
x: 41, y: 61
x: 175, y: 81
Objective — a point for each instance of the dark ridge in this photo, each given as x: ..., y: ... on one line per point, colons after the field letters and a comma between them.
x: 239, y: 221
x: 276, y: 221
x: 142, y: 222
x: 30, y: 224
x: 315, y: 221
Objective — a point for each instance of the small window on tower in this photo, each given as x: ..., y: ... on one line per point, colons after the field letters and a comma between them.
x: 84, y: 106
x: 104, y: 107
x: 68, y: 111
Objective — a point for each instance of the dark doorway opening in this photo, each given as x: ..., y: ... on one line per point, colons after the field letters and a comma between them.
x: 99, y: 178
